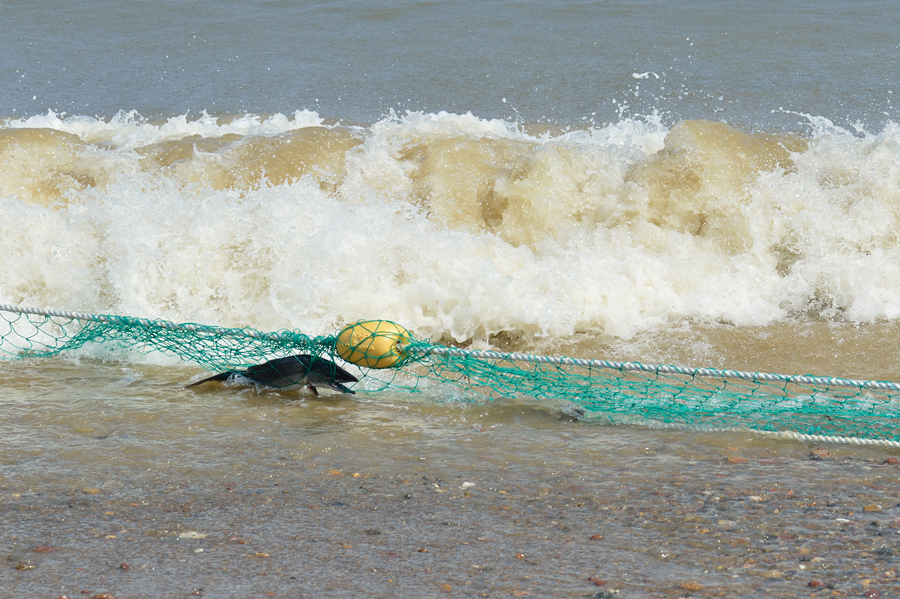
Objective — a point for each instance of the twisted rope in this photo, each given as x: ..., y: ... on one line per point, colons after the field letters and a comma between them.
x: 793, y: 435
x: 425, y: 349
x: 758, y: 377
x: 422, y: 351
x: 160, y: 324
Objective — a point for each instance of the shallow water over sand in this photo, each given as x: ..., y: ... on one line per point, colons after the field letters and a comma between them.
x: 115, y: 479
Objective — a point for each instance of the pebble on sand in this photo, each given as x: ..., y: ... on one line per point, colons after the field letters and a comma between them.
x: 820, y: 453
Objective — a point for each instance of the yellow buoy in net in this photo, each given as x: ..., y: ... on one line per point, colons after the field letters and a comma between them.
x: 373, y: 343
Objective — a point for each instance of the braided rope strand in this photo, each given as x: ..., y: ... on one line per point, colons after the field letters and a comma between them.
x: 800, y: 407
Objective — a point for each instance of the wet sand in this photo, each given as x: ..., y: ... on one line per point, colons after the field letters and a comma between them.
x: 114, y: 480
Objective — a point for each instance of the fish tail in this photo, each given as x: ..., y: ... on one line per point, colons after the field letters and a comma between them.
x: 222, y: 376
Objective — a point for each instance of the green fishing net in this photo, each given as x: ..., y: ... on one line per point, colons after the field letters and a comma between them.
x: 803, y: 407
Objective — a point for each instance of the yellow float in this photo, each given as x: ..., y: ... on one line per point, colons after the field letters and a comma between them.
x: 373, y: 343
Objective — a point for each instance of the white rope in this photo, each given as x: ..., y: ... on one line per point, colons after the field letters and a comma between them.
x: 427, y: 350
x: 658, y: 368
x: 160, y: 324
x: 700, y: 428
x: 486, y: 355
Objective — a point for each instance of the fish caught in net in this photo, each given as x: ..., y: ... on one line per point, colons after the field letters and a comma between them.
x: 389, y: 358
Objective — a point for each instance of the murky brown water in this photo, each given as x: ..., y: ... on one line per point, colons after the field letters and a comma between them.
x: 840, y: 349
x: 114, y: 479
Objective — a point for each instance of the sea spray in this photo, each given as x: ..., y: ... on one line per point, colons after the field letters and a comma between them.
x: 460, y: 228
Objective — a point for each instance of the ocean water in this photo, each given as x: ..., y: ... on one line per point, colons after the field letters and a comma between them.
x: 699, y: 183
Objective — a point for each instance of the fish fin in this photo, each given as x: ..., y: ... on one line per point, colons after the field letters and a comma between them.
x: 339, y: 387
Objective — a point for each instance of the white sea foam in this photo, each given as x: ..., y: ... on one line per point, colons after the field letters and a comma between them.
x: 455, y: 226
x: 129, y: 130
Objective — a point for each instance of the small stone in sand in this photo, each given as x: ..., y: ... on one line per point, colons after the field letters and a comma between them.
x: 820, y: 453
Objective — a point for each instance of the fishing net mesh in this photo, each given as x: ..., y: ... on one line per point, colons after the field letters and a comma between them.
x: 802, y: 407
